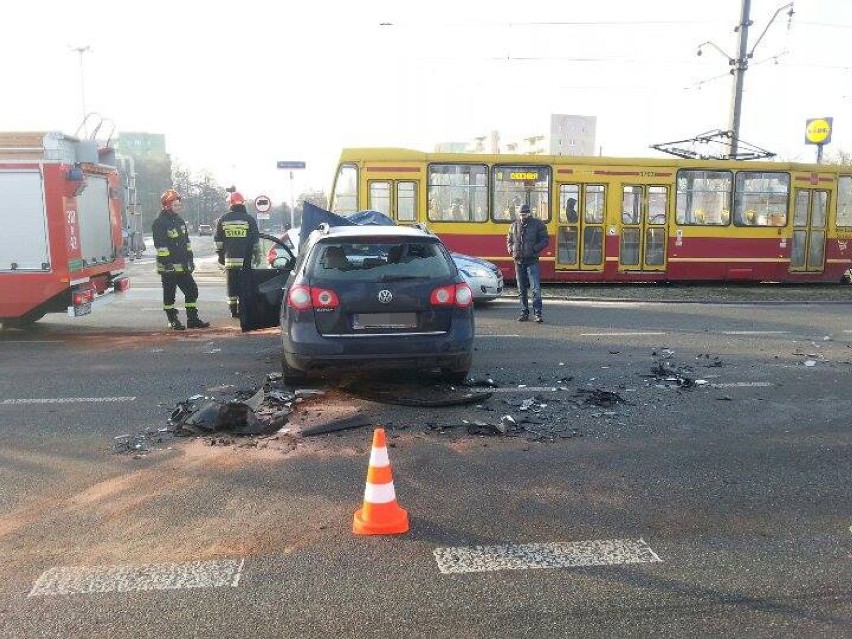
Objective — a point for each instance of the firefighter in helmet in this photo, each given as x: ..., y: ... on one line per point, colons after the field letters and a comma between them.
x: 175, y: 262
x: 235, y: 238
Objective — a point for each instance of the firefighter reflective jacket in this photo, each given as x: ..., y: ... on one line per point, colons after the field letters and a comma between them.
x: 174, y: 252
x: 236, y: 236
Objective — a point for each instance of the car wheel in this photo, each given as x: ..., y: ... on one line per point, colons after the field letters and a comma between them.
x: 454, y: 377
x: 291, y: 376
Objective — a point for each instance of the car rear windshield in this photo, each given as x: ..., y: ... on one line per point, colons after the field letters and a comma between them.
x: 380, y: 260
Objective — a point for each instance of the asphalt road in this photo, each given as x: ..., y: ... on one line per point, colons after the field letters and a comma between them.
x: 738, y: 488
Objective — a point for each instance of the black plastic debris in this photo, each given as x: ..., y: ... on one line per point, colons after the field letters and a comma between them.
x: 418, y: 396
x: 256, y: 412
x: 346, y: 423
x: 599, y: 397
x: 673, y: 375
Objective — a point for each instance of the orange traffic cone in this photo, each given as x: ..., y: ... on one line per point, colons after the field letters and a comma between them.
x: 380, y: 514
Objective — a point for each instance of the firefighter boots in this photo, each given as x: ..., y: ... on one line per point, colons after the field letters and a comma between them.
x: 192, y: 320
x: 174, y: 321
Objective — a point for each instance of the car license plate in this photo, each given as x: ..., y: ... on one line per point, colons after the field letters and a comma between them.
x: 361, y: 321
x: 83, y: 309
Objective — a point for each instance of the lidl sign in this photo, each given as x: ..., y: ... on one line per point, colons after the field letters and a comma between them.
x: 818, y: 130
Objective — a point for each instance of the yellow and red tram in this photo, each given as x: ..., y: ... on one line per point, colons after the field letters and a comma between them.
x: 619, y: 219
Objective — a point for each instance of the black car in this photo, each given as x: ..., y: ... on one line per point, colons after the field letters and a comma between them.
x: 365, y: 298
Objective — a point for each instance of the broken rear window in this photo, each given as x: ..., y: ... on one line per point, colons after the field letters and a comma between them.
x: 380, y: 260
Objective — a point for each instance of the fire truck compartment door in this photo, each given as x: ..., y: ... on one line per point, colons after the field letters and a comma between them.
x: 96, y: 243
x: 23, y: 225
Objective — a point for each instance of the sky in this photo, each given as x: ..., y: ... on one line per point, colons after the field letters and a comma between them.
x: 239, y: 86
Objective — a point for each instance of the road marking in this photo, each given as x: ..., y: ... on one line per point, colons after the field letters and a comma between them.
x: 508, y: 335
x: 743, y: 385
x: 223, y: 573
x: 575, y: 554
x: 68, y: 400
x: 625, y: 334
x: 593, y: 303
x: 515, y: 389
x: 755, y: 332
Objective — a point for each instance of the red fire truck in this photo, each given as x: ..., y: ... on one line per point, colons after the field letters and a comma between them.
x: 60, y: 227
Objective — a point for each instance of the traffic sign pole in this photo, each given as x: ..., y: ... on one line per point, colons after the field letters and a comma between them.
x: 291, y: 164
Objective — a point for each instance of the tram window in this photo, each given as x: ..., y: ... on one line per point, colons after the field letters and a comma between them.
x: 569, y: 195
x: 344, y: 198
x: 761, y: 199
x: 593, y: 245
x: 567, y: 245
x: 844, y: 201
x: 595, y: 205
x: 406, y: 201
x: 704, y: 197
x: 629, y: 253
x: 458, y: 192
x: 380, y: 199
x: 655, y: 247
x: 658, y: 204
x: 631, y: 207
x: 820, y: 209
x: 517, y: 185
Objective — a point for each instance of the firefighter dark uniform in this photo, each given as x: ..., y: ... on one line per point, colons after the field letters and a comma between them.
x: 175, y: 262
x: 235, y: 238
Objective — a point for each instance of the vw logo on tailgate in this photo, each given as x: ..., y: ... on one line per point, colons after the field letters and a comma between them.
x: 385, y: 296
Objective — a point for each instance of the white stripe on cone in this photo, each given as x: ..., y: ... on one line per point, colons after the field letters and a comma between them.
x: 379, y: 493
x: 379, y: 457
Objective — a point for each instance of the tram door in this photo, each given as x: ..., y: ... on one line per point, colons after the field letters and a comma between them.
x: 580, y: 229
x: 395, y: 198
x: 807, y: 252
x: 643, y: 228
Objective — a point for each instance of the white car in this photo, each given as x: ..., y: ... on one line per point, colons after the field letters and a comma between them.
x: 483, y: 277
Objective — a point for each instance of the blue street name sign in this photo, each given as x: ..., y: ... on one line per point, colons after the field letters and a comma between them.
x: 283, y: 164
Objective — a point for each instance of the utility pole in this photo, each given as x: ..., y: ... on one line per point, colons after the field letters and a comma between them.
x: 739, y: 66
x: 81, y: 51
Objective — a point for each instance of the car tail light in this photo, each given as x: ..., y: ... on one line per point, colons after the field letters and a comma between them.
x: 324, y: 298
x: 443, y: 296
x: 464, y: 296
x: 452, y: 295
x: 299, y: 298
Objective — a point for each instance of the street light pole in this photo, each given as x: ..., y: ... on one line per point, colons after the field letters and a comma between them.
x: 81, y: 51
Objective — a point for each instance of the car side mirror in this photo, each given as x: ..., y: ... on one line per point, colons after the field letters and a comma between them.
x: 284, y: 263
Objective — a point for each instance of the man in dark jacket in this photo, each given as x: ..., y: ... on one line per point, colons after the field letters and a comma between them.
x: 175, y: 262
x: 526, y: 239
x: 235, y: 237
